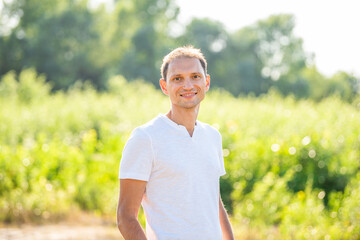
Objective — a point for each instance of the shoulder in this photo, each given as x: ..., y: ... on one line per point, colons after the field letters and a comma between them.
x: 208, y: 129
x: 146, y: 130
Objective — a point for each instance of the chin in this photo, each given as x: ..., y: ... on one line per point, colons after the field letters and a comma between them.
x: 189, y: 106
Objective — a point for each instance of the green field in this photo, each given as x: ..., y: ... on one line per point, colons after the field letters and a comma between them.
x: 292, y: 165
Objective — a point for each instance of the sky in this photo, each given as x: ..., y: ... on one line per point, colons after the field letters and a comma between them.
x: 329, y: 28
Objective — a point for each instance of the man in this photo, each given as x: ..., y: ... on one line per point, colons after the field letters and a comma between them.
x: 172, y: 164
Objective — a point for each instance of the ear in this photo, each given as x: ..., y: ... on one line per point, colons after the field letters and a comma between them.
x: 207, y: 82
x: 163, y: 86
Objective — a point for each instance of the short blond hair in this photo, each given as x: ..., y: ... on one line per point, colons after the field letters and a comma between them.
x: 186, y: 51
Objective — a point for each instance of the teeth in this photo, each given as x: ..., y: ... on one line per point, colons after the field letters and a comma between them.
x: 188, y: 94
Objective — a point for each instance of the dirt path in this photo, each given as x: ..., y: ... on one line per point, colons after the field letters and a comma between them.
x: 59, y: 232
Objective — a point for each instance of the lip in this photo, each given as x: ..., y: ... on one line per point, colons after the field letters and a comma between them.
x: 188, y: 94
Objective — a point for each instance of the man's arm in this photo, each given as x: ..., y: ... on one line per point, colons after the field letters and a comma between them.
x: 131, y: 193
x: 224, y: 222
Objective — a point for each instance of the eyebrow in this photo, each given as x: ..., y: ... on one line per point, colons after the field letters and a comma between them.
x: 180, y: 74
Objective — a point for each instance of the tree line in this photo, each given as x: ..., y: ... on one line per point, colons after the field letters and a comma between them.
x: 69, y: 41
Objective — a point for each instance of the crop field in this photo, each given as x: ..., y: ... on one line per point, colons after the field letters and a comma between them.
x: 293, y: 166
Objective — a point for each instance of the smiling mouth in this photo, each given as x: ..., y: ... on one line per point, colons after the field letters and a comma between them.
x: 188, y: 94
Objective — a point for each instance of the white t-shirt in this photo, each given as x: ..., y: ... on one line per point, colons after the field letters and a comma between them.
x: 181, y: 199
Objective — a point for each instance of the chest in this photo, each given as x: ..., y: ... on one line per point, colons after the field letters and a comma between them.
x: 186, y: 157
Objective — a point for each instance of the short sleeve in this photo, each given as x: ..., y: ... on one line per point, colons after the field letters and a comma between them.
x: 221, y: 157
x: 137, y: 157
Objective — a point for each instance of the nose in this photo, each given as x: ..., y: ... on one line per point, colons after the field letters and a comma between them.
x: 188, y: 84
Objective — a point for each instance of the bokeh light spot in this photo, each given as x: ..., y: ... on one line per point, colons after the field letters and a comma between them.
x: 26, y: 162
x: 45, y: 147
x: 298, y: 168
x: 321, y: 164
x: 292, y: 150
x: 312, y: 153
x: 306, y: 140
x: 48, y: 187
x: 226, y: 152
x: 321, y: 195
x: 275, y: 147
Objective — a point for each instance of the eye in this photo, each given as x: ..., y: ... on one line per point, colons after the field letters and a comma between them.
x: 177, y: 79
x: 197, y: 76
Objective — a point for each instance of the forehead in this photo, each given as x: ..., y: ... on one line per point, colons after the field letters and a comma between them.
x: 183, y: 65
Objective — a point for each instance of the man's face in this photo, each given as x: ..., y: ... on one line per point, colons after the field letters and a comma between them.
x: 186, y: 82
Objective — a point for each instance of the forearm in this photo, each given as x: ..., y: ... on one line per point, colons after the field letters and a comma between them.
x: 131, y: 229
x: 131, y: 193
x: 225, y: 224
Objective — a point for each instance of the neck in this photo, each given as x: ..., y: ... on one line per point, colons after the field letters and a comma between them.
x: 184, y: 117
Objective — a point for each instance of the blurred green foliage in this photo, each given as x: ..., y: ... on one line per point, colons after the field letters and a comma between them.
x: 71, y: 41
x: 292, y: 166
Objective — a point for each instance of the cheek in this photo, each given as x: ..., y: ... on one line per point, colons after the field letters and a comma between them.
x: 173, y: 90
x: 176, y: 88
x: 201, y: 87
